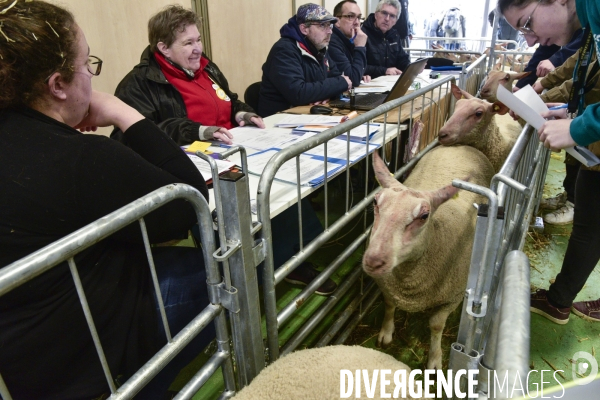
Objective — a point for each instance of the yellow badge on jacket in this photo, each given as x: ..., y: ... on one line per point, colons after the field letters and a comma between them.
x: 220, y: 92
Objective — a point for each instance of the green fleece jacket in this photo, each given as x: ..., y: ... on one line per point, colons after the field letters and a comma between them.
x: 585, y: 129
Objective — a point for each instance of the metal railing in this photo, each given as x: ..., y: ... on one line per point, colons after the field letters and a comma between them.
x: 502, y: 226
x: 67, y: 248
x: 434, y: 105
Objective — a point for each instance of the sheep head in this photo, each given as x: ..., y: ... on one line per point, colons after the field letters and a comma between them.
x: 489, y: 91
x: 470, y: 119
x: 402, y: 220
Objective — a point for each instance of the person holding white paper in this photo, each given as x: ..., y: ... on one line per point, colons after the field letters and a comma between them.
x: 554, y: 22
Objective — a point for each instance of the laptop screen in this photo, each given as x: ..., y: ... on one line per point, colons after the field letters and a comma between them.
x: 406, y: 79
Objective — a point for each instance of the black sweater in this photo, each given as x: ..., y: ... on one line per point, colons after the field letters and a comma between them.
x: 55, y: 180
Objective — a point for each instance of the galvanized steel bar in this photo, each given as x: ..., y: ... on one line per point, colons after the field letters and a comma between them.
x: 344, y: 316
x: 272, y: 277
x: 90, y: 321
x: 66, y: 248
x: 321, y: 313
x: 352, y: 324
x: 159, y: 299
x: 200, y: 378
x: 512, y: 354
x: 167, y: 353
x: 297, y: 301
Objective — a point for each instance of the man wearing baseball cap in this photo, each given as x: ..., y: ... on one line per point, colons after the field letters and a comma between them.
x: 298, y: 70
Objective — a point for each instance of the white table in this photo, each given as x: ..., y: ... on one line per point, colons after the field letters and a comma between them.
x: 284, y: 194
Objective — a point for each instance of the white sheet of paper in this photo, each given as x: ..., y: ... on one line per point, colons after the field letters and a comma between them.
x: 530, y: 106
x: 261, y: 139
x: 292, y: 121
x: 204, y: 167
x: 526, y: 104
x: 310, y: 168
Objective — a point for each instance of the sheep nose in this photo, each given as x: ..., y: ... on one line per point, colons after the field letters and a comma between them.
x: 373, y: 262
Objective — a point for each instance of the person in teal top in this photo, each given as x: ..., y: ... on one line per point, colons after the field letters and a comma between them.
x: 553, y: 22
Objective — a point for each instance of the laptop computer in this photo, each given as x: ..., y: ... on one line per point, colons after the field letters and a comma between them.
x: 371, y: 100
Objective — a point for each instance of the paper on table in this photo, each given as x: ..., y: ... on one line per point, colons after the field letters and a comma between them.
x: 530, y: 106
x: 291, y: 121
x: 261, y: 139
x: 204, y: 167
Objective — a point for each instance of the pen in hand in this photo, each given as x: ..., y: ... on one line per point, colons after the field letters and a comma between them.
x: 349, y: 116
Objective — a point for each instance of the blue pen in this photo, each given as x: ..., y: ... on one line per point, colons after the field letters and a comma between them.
x: 558, y: 107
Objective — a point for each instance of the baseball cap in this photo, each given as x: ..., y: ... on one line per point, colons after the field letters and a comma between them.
x: 313, y: 13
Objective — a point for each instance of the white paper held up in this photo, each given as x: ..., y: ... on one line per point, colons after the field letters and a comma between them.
x: 530, y: 106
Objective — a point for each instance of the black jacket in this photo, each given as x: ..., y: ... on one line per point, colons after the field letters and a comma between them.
x: 349, y: 59
x: 54, y: 181
x: 556, y: 54
x: 383, y: 50
x: 295, y: 74
x: 402, y: 25
x: 147, y: 90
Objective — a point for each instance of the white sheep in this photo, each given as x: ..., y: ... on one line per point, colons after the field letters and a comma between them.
x: 315, y: 374
x: 420, y: 246
x: 495, y: 78
x: 482, y: 125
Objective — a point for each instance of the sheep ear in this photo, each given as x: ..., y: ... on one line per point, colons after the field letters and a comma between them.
x: 499, y: 108
x: 382, y: 173
x: 440, y: 196
x: 459, y: 93
x: 522, y: 75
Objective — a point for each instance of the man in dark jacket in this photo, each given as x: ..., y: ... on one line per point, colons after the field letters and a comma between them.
x: 546, y: 59
x: 403, y: 24
x: 347, y: 47
x: 298, y: 70
x: 385, y: 55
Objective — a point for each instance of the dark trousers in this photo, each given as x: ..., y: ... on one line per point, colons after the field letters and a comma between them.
x: 583, y: 250
x: 182, y: 280
x: 572, y: 168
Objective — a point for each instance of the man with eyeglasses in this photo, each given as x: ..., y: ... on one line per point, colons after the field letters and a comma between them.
x: 385, y: 55
x: 348, y: 42
x: 298, y: 70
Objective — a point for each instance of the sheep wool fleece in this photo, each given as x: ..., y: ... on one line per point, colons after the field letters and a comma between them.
x: 315, y: 373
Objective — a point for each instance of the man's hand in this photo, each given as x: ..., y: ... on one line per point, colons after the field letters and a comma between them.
x: 555, y: 134
x: 348, y: 81
x: 366, y: 78
x: 393, y: 71
x: 515, y: 89
x: 544, y: 68
x: 360, y: 38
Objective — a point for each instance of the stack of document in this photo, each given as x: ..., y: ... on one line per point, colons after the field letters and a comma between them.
x: 293, y: 121
x: 359, y: 133
x: 204, y: 167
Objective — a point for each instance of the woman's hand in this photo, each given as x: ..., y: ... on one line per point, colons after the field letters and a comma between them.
x: 223, y: 135
x: 555, y: 134
x: 248, y: 118
x: 106, y: 110
x: 537, y: 87
x: 561, y: 113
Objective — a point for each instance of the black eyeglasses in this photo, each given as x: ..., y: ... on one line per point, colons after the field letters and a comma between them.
x: 525, y: 29
x: 94, y: 65
x: 388, y: 15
